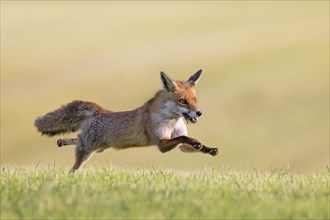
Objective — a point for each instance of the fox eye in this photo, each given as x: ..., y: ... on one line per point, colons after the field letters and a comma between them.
x: 183, y: 101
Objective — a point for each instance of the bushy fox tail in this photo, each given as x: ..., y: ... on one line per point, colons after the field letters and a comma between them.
x: 67, y: 118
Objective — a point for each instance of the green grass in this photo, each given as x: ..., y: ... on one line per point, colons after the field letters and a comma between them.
x: 113, y: 193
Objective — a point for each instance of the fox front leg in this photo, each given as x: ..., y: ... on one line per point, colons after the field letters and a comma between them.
x: 209, y: 150
x: 189, y: 149
x: 168, y: 144
x: 200, y: 147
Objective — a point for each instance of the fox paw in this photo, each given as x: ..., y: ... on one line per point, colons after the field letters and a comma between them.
x: 213, y: 151
x: 59, y: 143
x: 197, y: 145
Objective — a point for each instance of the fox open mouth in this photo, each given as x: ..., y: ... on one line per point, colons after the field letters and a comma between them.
x: 192, y: 120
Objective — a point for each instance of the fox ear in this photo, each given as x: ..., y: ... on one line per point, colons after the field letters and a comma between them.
x: 168, y: 83
x: 194, y: 78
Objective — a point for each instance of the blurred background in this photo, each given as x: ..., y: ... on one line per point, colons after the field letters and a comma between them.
x: 264, y: 90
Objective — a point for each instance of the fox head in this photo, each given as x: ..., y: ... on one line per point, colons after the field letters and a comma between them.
x: 181, y: 98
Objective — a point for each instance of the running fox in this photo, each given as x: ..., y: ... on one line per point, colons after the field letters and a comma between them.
x: 158, y: 122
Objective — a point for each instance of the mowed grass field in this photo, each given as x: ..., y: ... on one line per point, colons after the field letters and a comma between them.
x: 156, y: 194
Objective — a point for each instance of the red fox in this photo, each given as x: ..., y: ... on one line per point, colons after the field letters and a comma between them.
x: 158, y: 122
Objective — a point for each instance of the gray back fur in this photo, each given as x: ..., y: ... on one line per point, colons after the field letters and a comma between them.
x: 67, y: 118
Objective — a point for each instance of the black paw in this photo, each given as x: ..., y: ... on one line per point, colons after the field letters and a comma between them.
x: 197, y: 145
x: 59, y: 143
x: 213, y: 151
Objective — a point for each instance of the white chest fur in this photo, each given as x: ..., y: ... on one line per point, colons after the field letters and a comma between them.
x: 168, y: 128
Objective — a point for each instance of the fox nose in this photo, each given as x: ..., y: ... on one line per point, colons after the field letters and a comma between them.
x: 199, y: 113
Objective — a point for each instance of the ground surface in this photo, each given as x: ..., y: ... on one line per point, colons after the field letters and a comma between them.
x: 112, y: 193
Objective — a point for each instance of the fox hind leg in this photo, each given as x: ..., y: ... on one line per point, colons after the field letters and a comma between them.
x: 82, y: 156
x: 67, y: 141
